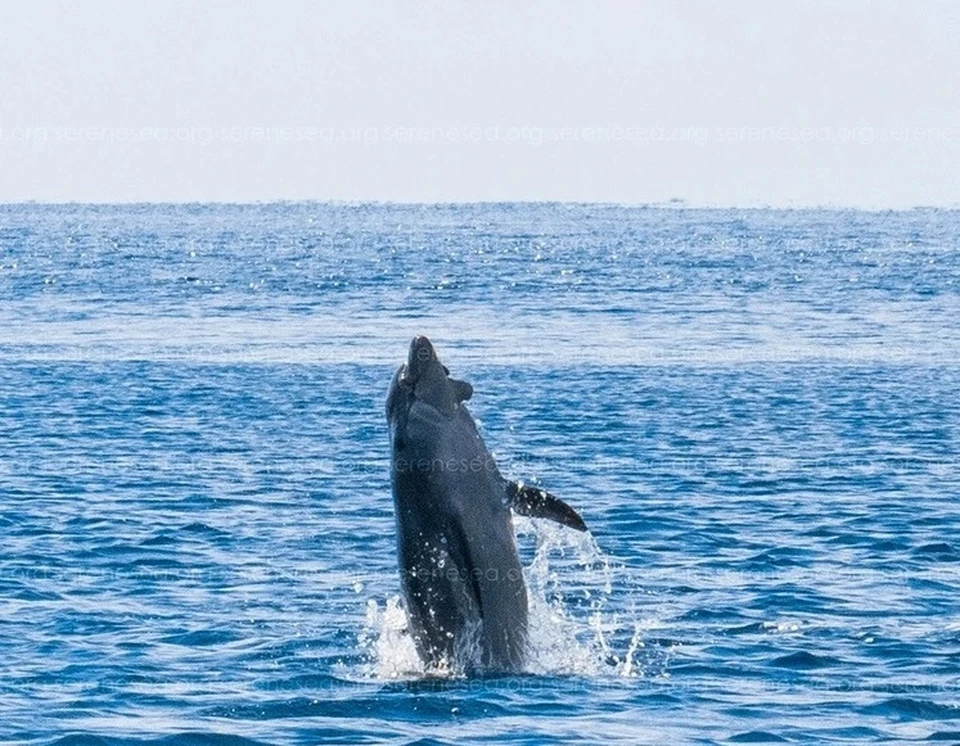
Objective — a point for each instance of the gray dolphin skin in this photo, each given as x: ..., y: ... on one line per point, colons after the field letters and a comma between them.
x: 461, y: 579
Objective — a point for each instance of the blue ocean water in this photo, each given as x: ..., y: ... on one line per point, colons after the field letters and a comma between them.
x: 755, y: 411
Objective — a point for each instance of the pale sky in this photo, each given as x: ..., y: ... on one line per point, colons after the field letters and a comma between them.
x: 728, y: 103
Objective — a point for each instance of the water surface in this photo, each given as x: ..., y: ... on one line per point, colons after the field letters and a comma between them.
x: 755, y: 411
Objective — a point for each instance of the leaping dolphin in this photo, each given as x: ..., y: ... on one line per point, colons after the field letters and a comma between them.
x: 461, y: 579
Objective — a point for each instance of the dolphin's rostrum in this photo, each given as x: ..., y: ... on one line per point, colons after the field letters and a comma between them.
x: 462, y: 583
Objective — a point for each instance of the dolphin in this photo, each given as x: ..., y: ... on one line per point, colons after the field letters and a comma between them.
x: 461, y: 579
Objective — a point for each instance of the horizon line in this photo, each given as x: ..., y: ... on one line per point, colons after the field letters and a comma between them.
x: 670, y: 204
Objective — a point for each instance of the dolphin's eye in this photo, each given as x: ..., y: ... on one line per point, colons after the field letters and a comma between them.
x: 445, y: 369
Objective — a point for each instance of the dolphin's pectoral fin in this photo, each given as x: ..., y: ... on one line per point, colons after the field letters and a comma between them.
x: 461, y: 389
x: 537, y: 503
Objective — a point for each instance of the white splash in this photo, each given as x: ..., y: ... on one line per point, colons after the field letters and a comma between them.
x: 573, y: 631
x: 390, y: 649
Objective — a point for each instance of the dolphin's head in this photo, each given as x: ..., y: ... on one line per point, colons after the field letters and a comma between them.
x: 423, y: 366
x: 425, y: 380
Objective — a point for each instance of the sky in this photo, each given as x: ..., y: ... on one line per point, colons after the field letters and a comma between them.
x: 734, y: 103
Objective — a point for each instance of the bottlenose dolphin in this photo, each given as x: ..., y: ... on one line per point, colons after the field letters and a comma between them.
x: 462, y: 583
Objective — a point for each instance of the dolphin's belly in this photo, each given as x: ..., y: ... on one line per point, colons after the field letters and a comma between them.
x: 442, y: 607
x: 461, y: 577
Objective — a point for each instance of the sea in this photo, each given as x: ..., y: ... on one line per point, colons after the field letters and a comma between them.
x: 756, y: 412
